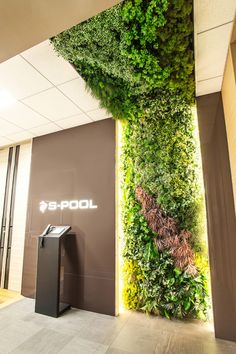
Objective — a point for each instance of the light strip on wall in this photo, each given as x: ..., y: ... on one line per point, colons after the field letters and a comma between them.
x: 119, y: 230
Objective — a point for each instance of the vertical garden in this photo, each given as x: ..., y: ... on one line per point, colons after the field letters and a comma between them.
x: 137, y: 59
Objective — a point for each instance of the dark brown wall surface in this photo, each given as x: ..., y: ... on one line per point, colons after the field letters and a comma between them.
x: 75, y: 164
x: 220, y: 213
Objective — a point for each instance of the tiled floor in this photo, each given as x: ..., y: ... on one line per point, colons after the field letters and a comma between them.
x: 23, y: 331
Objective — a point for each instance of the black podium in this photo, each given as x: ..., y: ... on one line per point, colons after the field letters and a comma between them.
x: 49, y: 273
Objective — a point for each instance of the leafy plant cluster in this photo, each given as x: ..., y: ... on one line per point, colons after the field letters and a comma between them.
x: 165, y: 161
x: 134, y: 48
x: 161, y: 287
x: 137, y: 59
x: 159, y: 44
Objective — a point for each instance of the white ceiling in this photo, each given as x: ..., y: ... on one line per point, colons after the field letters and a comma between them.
x: 49, y: 96
x: 213, y: 24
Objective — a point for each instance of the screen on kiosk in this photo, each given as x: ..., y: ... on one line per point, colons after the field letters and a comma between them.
x: 57, y: 230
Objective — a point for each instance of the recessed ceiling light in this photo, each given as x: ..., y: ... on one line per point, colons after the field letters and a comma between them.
x: 6, y: 99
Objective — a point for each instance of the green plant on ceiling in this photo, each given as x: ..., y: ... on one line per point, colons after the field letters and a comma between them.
x: 95, y: 49
x: 137, y: 47
x: 159, y: 44
x: 137, y: 59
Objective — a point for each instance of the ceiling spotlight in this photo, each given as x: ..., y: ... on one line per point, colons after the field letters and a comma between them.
x: 6, y: 98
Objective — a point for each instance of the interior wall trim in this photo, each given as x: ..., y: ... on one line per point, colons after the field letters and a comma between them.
x: 4, y: 213
x: 11, y: 216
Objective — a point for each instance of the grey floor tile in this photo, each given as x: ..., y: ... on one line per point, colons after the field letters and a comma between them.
x: 151, y: 322
x: 163, y: 342
x: 38, y: 319
x: 190, y: 345
x: 159, y: 323
x: 117, y: 351
x: 83, y: 332
x: 220, y: 347
x: 45, y: 341
x: 83, y: 346
x: 184, y: 345
x: 136, y: 339
x: 69, y: 328
x: 102, y: 330
x: 15, y: 334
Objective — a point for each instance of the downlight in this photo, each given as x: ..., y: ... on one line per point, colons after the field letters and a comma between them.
x: 6, y: 98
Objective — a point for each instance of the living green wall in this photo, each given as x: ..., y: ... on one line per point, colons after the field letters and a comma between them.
x: 137, y: 59
x: 159, y: 154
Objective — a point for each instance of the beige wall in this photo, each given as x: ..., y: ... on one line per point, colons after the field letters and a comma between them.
x: 19, y: 214
x: 25, y: 23
x: 229, y: 102
x: 3, y: 174
x: 19, y: 221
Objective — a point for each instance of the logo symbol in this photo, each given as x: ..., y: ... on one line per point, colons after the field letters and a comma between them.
x: 43, y: 206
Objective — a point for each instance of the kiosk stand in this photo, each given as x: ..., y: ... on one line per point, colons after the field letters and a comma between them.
x: 49, y: 271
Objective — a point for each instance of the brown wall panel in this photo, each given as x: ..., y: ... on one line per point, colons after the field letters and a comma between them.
x: 76, y: 164
x: 220, y: 213
x: 229, y: 104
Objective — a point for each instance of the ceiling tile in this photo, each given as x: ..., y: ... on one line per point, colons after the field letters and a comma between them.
x: 44, y: 59
x: 76, y: 91
x: 21, y: 79
x: 74, y: 121
x: 211, y: 51
x: 4, y: 141
x: 45, y: 129
x: 8, y: 128
x: 22, y: 116
x: 99, y: 114
x: 209, y: 86
x: 212, y: 13
x: 52, y: 104
x: 24, y: 135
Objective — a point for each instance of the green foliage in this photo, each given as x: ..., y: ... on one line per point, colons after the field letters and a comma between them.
x: 133, y: 277
x: 131, y: 49
x: 165, y: 159
x: 162, y: 289
x: 137, y: 59
x: 159, y: 43
x: 97, y: 43
x: 95, y: 48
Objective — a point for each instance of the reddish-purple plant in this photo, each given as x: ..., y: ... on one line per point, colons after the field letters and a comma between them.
x: 168, y: 236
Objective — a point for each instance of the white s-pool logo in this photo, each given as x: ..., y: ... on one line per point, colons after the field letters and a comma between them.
x: 43, y: 206
x: 66, y: 204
